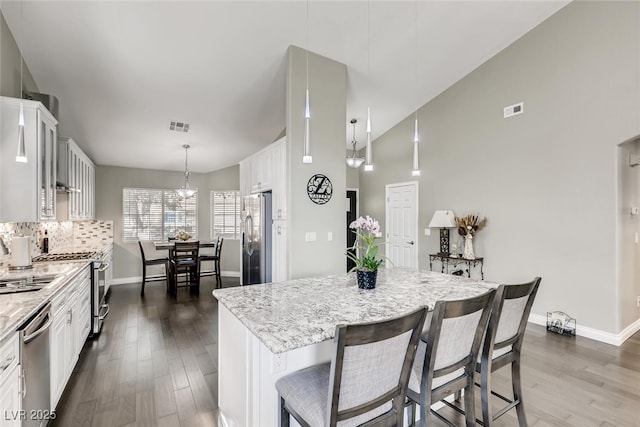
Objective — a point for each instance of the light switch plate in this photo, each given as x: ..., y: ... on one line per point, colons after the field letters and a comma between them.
x: 427, y: 232
x: 329, y: 236
x: 310, y: 236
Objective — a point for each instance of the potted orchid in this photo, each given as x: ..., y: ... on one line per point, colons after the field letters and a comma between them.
x: 366, y: 229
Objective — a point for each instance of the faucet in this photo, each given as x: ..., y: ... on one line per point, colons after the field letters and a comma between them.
x: 3, y: 247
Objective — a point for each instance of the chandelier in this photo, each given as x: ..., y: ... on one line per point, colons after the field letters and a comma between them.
x: 186, y: 192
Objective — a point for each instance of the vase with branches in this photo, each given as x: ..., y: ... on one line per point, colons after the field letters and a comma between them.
x: 468, y: 226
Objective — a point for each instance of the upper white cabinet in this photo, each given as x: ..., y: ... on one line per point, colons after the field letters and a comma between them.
x: 261, y: 171
x: 27, y: 190
x: 267, y: 171
x: 79, y: 173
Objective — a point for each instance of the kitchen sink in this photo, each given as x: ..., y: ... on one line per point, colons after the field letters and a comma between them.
x: 25, y: 284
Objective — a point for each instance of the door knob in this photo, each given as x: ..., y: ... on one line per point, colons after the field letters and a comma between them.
x: 410, y: 243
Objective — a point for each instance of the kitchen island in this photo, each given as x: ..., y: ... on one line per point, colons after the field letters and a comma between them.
x: 267, y: 331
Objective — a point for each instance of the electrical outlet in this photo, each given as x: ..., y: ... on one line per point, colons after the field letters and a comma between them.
x: 427, y: 232
x: 279, y: 363
x: 329, y: 236
x: 638, y: 301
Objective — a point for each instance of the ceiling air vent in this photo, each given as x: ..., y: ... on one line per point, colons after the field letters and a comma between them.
x: 179, y: 127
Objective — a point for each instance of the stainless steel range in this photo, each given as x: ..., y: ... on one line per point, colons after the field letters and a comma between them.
x: 100, y: 281
x: 67, y: 256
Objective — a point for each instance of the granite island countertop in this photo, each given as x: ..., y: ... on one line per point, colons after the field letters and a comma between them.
x: 16, y: 308
x: 296, y: 313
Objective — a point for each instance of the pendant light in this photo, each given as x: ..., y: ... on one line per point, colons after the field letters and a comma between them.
x: 21, y: 155
x: 186, y: 192
x: 353, y: 161
x: 368, y: 166
x: 416, y: 136
x: 306, y: 156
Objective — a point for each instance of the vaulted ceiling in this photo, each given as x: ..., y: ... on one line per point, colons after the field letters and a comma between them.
x: 124, y: 70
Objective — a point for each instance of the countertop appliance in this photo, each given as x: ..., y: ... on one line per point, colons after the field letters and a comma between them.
x: 100, y: 281
x: 256, y: 239
x: 34, y: 354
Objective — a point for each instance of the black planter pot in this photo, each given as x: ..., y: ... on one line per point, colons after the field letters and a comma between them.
x: 367, y: 279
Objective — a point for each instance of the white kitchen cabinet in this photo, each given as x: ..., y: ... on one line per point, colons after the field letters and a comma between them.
x: 61, y: 346
x: 80, y: 176
x: 261, y: 171
x: 71, y: 324
x: 27, y: 190
x: 10, y: 387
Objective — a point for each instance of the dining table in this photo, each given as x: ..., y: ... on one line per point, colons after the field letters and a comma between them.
x: 159, y: 246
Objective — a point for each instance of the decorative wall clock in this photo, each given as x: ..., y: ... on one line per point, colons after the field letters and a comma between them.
x: 319, y: 189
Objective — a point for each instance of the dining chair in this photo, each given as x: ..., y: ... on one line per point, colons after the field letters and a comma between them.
x: 503, y: 346
x: 215, y: 257
x: 364, y: 384
x: 183, y: 260
x: 151, y: 261
x: 446, y: 357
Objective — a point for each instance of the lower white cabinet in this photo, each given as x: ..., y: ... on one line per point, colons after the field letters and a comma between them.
x: 71, y: 324
x: 10, y: 392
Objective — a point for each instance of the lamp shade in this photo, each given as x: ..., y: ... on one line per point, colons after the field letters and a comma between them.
x: 442, y: 219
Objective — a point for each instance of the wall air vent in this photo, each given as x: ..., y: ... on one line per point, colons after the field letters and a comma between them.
x: 513, y: 110
x: 179, y: 127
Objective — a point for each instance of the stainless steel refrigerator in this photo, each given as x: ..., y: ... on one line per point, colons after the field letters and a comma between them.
x: 256, y: 239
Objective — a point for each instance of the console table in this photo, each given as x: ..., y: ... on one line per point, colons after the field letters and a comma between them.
x: 452, y: 261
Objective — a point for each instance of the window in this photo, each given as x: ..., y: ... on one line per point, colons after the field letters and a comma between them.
x: 154, y: 214
x: 225, y: 214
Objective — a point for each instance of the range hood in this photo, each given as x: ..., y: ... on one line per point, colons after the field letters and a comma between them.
x: 62, y: 167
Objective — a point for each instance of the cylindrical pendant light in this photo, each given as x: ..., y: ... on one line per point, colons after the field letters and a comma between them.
x: 416, y: 135
x: 306, y: 155
x: 21, y: 155
x: 368, y: 164
x: 416, y: 140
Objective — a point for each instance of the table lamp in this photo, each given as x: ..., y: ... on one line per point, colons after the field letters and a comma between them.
x: 444, y: 220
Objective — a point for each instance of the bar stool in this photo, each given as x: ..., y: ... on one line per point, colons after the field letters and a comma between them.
x: 503, y: 346
x: 151, y: 261
x: 446, y: 356
x: 365, y: 382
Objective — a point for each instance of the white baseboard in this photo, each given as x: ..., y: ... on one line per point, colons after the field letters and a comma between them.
x: 595, y: 334
x: 138, y: 279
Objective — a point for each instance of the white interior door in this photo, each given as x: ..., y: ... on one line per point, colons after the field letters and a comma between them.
x: 401, y: 224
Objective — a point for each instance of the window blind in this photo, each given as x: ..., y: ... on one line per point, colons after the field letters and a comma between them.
x: 225, y: 214
x: 156, y: 214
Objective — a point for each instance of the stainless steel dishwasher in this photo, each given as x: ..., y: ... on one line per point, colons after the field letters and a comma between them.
x: 34, y: 354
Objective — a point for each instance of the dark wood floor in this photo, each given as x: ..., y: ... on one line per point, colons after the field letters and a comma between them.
x: 155, y: 364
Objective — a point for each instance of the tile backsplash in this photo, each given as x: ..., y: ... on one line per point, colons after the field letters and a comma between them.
x: 64, y: 236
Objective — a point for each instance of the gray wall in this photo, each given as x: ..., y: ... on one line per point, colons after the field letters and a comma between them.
x: 546, y: 179
x: 110, y: 181
x: 327, y: 88
x: 629, y: 227
x: 10, y: 65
